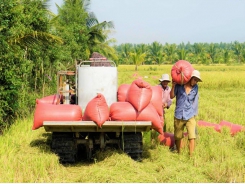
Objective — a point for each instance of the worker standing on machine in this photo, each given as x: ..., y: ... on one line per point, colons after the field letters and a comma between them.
x: 73, y: 95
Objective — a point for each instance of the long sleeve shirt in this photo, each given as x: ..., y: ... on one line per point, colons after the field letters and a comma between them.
x: 166, y: 96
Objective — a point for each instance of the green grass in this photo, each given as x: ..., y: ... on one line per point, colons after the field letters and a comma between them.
x: 25, y: 154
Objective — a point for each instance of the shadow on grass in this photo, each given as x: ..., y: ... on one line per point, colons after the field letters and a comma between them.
x: 43, y: 143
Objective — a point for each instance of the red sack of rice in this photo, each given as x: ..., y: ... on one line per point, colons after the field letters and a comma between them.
x: 166, y: 139
x: 149, y: 113
x: 162, y: 120
x: 122, y: 92
x: 51, y: 99
x: 234, y: 128
x: 50, y: 112
x: 122, y: 111
x: 97, y: 110
x: 207, y: 124
x: 139, y: 94
x: 181, y: 72
x: 156, y: 99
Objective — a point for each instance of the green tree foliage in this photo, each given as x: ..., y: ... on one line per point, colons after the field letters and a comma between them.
x: 98, y: 38
x: 226, y: 56
x: 156, y: 53
x: 212, y: 51
x: 182, y: 54
x: 11, y: 59
x: 137, y: 57
x: 123, y: 52
x: 35, y: 44
x: 237, y: 48
x: 21, y: 25
x: 71, y: 26
x: 198, y: 50
x: 198, y: 53
x: 170, y: 50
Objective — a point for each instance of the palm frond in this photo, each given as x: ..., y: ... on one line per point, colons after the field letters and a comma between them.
x: 35, y: 37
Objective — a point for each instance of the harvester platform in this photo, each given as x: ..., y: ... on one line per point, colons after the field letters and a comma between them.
x: 90, y: 126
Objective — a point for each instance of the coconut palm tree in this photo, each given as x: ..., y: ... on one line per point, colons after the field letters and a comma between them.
x: 212, y: 51
x: 35, y: 31
x: 156, y: 52
x: 124, y: 51
x: 137, y: 57
x: 237, y: 48
x: 98, y: 37
x: 182, y: 53
x: 170, y: 50
x: 198, y: 50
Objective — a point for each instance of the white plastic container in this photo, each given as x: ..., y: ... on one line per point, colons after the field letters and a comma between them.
x: 93, y: 80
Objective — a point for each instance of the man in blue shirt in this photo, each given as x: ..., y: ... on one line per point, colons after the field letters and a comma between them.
x: 186, y: 109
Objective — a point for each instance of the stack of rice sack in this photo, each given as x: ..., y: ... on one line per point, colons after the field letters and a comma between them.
x: 136, y: 102
x: 139, y: 101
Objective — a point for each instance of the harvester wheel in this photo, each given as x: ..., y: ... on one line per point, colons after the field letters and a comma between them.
x: 131, y: 143
x: 64, y: 145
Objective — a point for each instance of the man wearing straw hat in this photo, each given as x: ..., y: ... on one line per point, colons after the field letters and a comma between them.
x: 186, y: 110
x: 166, y: 100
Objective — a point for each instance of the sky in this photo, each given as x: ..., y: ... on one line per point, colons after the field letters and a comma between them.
x: 171, y: 21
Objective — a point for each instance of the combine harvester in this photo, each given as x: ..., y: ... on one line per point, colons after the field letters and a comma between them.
x: 82, y: 95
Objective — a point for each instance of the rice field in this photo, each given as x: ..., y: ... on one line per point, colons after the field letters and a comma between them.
x: 25, y: 155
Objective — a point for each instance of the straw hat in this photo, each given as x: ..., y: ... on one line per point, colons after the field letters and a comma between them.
x: 196, y: 74
x: 165, y: 77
